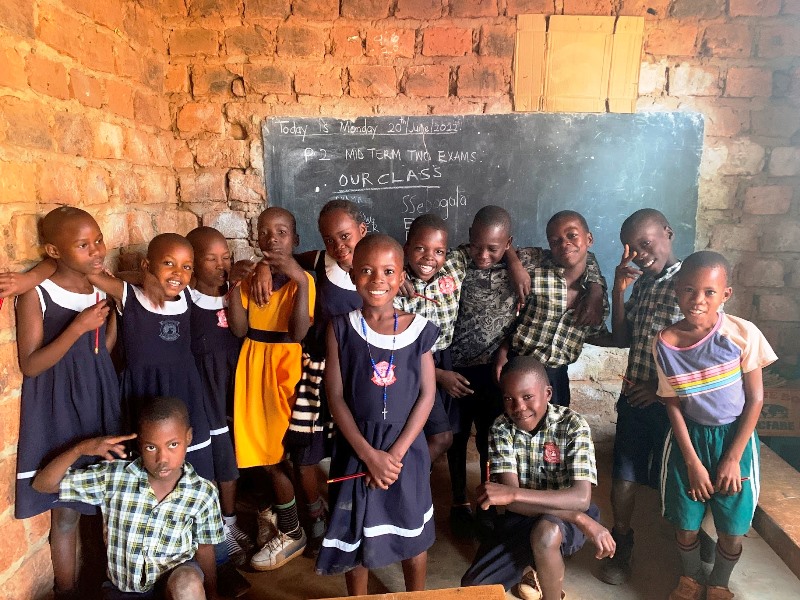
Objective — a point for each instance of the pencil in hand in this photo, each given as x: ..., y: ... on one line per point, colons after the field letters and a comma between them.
x: 346, y: 477
x: 97, y: 331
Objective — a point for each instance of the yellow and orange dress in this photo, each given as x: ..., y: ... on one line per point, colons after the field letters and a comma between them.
x: 266, y: 375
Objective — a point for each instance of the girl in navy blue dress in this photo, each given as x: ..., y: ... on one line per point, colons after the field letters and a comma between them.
x: 70, y: 390
x: 380, y: 385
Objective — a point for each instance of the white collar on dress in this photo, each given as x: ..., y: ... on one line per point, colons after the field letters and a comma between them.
x: 380, y: 340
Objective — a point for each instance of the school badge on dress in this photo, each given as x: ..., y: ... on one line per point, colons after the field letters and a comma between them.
x: 222, y: 318
x: 170, y: 330
x: 551, y: 453
x: 383, y: 374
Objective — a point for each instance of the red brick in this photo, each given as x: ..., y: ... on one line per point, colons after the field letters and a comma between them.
x: 725, y: 236
x: 726, y: 121
x: 73, y: 134
x: 47, y: 76
x: 25, y: 247
x: 58, y: 29
x: 193, y: 41
x: 86, y: 89
x: 784, y: 161
x: 108, y: 140
x: 768, y: 199
x: 152, y: 73
x: 214, y: 79
x: 347, y: 42
x: 159, y: 149
x: 267, y: 79
x: 98, y: 185
x: 17, y: 16
x: 157, y: 187
x: 418, y: 9
x: 692, y: 80
x: 182, y: 156
x: 753, y: 8
x: 140, y: 27
x: 13, y: 72
x: 589, y: 7
x: 96, y: 49
x: 775, y: 307
x: 223, y: 153
x: 301, y: 42
x: 119, y: 98
x: 267, y: 8
x: 60, y: 183
x: 707, y: 9
x: 318, y: 80
x: 205, y: 186
x: 497, y: 40
x: 320, y: 10
x: 173, y: 8
x: 246, y: 188
x: 17, y: 183
x: 521, y: 7
x: 777, y: 120
x: 778, y: 40
x: 140, y: 227
x: 9, y: 427
x: 109, y: 14
x: 391, y: 43
x: 748, y: 82
x: 427, y: 81
x: 137, y: 149
x: 213, y: 8
x: 365, y: 9
x: 13, y: 543
x: 37, y: 527
x: 150, y: 109
x: 176, y: 79
x: 127, y: 190
x: 671, y: 38
x: 473, y: 8
x: 179, y: 221
x: 372, y: 80
x: 446, y: 41
x: 24, y: 123
x: 727, y: 40
x: 127, y: 62
x: 791, y: 7
x: 640, y: 8
x: 33, y: 579
x: 481, y: 80
x: 784, y: 237
x: 249, y: 40
x: 197, y: 117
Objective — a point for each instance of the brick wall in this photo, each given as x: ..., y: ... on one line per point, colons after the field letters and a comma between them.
x: 149, y: 112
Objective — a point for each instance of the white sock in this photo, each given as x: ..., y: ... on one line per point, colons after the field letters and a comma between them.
x: 229, y: 520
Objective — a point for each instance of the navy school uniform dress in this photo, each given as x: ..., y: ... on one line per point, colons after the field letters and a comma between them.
x: 373, y: 527
x: 216, y: 352
x: 75, y: 399
x: 158, y: 362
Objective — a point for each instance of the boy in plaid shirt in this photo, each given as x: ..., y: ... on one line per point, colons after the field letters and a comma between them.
x: 162, y: 519
x: 542, y: 467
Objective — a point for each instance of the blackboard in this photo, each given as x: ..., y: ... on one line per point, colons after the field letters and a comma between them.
x: 605, y: 166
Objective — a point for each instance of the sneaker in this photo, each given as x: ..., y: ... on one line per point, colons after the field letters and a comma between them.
x: 617, y: 569
x: 231, y: 583
x: 461, y: 522
x: 688, y: 589
x: 267, y: 526
x: 278, y: 551
x: 236, y: 554
x: 716, y: 592
x: 528, y: 588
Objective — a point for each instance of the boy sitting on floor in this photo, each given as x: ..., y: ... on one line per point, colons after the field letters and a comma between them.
x: 162, y: 519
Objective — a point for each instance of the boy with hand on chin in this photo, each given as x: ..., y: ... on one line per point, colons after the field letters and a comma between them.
x: 543, y: 468
x: 162, y: 519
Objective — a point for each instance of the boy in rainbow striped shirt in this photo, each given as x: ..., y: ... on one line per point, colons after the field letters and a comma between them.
x: 709, y: 376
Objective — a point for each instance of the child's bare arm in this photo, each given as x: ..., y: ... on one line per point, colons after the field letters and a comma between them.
x: 422, y: 409
x: 383, y: 469
x: 113, y: 286
x: 519, y: 275
x: 700, y: 486
x: 48, y: 479
x: 111, y: 329
x: 237, y: 314
x: 300, y: 319
x: 208, y: 564
x: 624, y: 275
x: 534, y: 502
x: 34, y: 358
x: 15, y: 284
x: 729, y: 475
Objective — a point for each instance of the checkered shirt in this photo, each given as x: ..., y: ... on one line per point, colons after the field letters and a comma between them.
x: 558, y: 455
x: 440, y: 295
x: 651, y: 307
x: 146, y: 538
x: 545, y: 329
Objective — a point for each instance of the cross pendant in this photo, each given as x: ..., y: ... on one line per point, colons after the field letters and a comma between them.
x: 385, y: 412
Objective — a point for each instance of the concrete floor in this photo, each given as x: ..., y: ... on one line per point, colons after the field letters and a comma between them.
x: 761, y: 574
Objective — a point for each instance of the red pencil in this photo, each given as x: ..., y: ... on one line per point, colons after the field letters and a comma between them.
x: 626, y: 380
x: 346, y: 477
x: 97, y: 331
x: 1, y: 302
x: 417, y: 295
x: 487, y: 471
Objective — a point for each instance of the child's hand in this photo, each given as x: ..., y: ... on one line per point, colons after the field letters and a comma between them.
x: 91, y: 318
x: 624, y: 274
x: 700, y: 487
x: 153, y: 290
x: 500, y: 359
x: 382, y: 469
x: 453, y: 383
x: 241, y: 269
x: 642, y: 394
x: 729, y: 477
x: 495, y: 494
x: 105, y: 447
x: 599, y: 536
x: 406, y: 289
x: 522, y: 282
x: 261, y: 284
x: 589, y: 310
x: 12, y: 284
x: 286, y: 264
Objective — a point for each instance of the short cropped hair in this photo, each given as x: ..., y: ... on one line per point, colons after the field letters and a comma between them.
x: 706, y: 259
x: 641, y: 216
x: 166, y: 238
x: 492, y: 216
x: 351, y: 208
x: 199, y: 235
x: 52, y: 222
x: 526, y: 364
x: 568, y: 214
x: 426, y: 221
x: 377, y: 240
x: 162, y: 408
x: 279, y: 210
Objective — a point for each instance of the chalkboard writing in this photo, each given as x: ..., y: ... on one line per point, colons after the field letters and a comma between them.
x: 605, y: 166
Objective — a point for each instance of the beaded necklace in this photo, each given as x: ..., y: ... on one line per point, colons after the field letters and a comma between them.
x: 381, y: 376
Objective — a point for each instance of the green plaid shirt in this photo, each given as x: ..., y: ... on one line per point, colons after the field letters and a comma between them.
x: 437, y: 299
x: 546, y: 330
x: 651, y: 307
x: 146, y: 538
x: 559, y: 454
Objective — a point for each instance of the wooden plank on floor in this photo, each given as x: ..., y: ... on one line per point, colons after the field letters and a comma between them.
x: 478, y: 592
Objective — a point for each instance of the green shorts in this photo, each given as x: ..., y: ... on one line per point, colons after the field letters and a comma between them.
x: 732, y: 514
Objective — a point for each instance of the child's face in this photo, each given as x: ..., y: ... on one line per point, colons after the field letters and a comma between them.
x: 172, y: 266
x: 276, y: 234
x: 652, y: 243
x: 80, y: 246
x: 426, y: 252
x: 377, y: 275
x: 340, y: 234
x: 525, y: 398
x: 212, y: 263
x: 569, y: 242
x: 163, y: 447
x: 488, y: 244
x: 700, y: 294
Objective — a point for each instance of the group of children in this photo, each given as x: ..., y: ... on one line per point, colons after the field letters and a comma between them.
x: 404, y: 348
